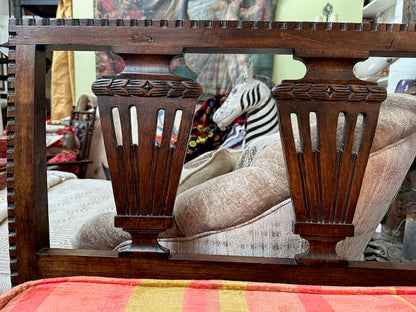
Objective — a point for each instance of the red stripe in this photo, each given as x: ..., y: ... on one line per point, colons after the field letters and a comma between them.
x: 34, y: 297
x: 194, y: 298
x: 313, y: 302
x: 90, y: 296
x: 202, y: 296
x: 101, y: 297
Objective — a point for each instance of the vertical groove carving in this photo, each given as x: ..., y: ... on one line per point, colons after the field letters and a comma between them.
x: 145, y: 172
x: 325, y: 160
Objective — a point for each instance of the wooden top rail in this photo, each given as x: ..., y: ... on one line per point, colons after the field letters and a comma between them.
x: 197, y: 36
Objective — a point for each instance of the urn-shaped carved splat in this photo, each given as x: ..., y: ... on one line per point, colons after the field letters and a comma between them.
x: 327, y: 126
x: 146, y: 117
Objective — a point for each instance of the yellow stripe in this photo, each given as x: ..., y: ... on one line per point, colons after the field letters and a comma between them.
x: 394, y: 293
x: 232, y: 298
x: 156, y: 296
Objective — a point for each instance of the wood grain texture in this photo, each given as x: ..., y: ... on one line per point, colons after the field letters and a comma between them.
x: 326, y: 131
x: 143, y: 197
x: 314, y: 272
x: 28, y: 226
x: 176, y: 37
x: 146, y: 158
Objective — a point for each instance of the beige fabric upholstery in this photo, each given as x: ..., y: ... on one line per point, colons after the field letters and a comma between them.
x: 267, y: 235
x: 273, y: 228
x: 207, y: 166
x: 389, y: 166
x: 101, y: 226
x: 239, y: 196
x: 235, y: 197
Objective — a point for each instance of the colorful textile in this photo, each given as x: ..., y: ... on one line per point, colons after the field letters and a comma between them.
x: 90, y: 294
x: 205, y: 134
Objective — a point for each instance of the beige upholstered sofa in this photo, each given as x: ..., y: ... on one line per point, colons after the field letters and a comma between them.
x: 238, y: 203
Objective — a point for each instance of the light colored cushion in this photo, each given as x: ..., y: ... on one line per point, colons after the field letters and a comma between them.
x: 99, y: 232
x: 266, y: 235
x: 235, y: 197
x: 207, y: 166
x: 248, y: 211
x: 388, y: 167
x: 396, y: 121
x: 256, y: 146
x: 270, y: 234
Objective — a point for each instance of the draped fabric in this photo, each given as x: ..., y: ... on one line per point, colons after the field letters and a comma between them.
x: 63, y: 77
x: 93, y: 294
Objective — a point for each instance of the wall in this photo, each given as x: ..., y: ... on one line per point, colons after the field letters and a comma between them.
x: 307, y: 10
x: 4, y: 16
x: 84, y: 60
x: 404, y: 68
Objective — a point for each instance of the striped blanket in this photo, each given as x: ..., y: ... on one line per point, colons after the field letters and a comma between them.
x: 110, y: 294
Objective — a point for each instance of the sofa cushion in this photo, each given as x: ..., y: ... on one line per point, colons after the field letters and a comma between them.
x: 388, y: 167
x: 99, y: 232
x: 235, y: 197
x: 207, y: 166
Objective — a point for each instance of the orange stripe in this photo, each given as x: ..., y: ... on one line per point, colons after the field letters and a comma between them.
x: 267, y: 301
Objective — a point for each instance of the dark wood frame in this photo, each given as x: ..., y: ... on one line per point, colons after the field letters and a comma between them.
x: 328, y: 49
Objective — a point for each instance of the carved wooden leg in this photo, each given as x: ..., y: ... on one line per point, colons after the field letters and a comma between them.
x: 327, y: 122
x: 146, y: 115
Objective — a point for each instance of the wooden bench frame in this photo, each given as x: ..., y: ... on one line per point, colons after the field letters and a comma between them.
x: 329, y: 51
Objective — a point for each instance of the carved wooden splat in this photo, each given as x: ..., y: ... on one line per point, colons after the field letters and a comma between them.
x: 327, y: 128
x: 147, y: 121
